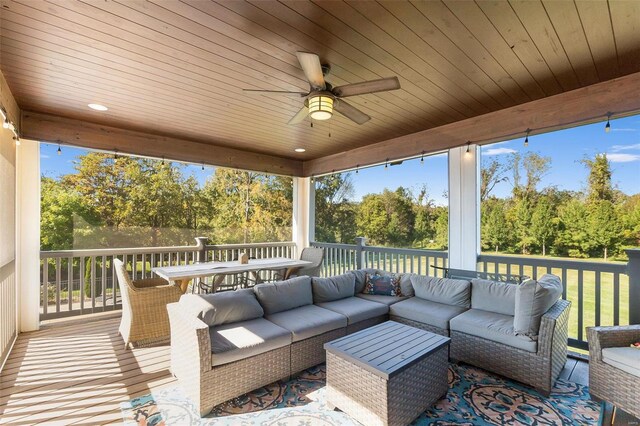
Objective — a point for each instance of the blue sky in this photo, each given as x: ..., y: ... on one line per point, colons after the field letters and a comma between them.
x: 566, y: 148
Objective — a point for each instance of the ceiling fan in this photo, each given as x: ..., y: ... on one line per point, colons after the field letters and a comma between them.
x: 322, y: 98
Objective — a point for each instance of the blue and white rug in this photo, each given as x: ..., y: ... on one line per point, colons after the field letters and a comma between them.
x: 475, y: 397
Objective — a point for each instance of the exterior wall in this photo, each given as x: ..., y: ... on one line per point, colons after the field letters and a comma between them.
x: 8, y: 266
x: 8, y: 292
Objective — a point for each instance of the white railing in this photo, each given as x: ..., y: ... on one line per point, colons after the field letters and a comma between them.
x: 77, y: 282
x: 339, y: 258
x: 8, y: 298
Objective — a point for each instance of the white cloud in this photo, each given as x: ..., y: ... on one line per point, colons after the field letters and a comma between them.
x: 498, y: 151
x: 622, y: 158
x: 45, y: 156
x: 624, y: 129
x: 618, y: 148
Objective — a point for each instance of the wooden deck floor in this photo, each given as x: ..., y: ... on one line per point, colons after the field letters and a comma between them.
x: 79, y: 373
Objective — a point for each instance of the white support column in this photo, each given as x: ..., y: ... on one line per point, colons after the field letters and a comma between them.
x: 28, y: 233
x: 464, y: 207
x: 303, y: 212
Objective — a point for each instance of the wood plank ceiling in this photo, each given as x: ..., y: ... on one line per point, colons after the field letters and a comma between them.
x: 176, y: 68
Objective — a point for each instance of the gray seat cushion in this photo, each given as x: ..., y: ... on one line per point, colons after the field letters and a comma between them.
x: 387, y: 300
x: 443, y: 290
x: 333, y: 288
x: 356, y: 309
x: 533, y: 300
x: 426, y: 311
x: 493, y: 296
x: 308, y: 321
x: 625, y: 358
x: 232, y: 342
x: 491, y: 326
x: 284, y: 295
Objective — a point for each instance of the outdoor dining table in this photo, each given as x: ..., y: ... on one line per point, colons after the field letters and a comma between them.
x: 182, y: 274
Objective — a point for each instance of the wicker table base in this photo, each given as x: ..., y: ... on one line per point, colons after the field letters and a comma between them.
x: 396, y: 400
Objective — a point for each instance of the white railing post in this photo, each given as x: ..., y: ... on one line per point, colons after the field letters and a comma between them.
x: 303, y: 224
x: 633, y: 271
x: 464, y: 207
x: 360, y: 243
x: 201, y: 245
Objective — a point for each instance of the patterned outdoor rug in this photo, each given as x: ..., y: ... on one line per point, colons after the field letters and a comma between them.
x: 475, y: 397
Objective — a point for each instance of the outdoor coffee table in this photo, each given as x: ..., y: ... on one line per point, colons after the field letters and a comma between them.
x: 387, y: 374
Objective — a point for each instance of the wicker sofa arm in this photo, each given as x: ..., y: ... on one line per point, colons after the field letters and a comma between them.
x: 553, y: 327
x: 609, y: 337
x: 190, y: 343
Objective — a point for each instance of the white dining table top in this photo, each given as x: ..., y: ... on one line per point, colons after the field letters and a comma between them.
x: 198, y: 270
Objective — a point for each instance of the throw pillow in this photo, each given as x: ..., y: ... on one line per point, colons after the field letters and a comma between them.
x: 533, y: 300
x: 333, y: 288
x: 383, y: 285
x: 224, y: 307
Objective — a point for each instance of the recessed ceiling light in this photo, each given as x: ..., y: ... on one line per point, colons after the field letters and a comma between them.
x: 299, y: 150
x: 98, y: 107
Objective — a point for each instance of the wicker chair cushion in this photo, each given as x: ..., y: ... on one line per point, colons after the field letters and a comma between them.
x: 356, y: 309
x: 533, y: 300
x: 308, y: 321
x: 284, y: 295
x: 493, y: 296
x: 232, y: 342
x: 426, y: 312
x: 491, y: 326
x: 443, y: 290
x: 626, y: 359
x: 333, y: 288
x: 223, y: 308
x: 387, y: 300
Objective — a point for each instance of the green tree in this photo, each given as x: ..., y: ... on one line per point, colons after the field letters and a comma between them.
x: 495, y: 229
x: 573, y: 233
x: 387, y: 218
x: 600, y: 187
x: 604, y: 227
x: 335, y: 214
x: 543, y: 223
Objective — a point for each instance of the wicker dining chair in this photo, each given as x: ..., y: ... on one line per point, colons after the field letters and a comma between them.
x: 144, y: 307
x: 606, y: 382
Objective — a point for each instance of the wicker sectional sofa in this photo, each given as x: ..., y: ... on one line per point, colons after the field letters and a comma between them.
x: 229, y: 343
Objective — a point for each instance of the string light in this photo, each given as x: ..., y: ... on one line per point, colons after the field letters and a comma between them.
x: 468, y: 151
x: 422, y: 158
x: 163, y: 160
x: 8, y: 124
x: 386, y: 164
x: 59, y: 150
x: 115, y: 156
x: 526, y: 139
x: 357, y: 168
x: 17, y: 140
x: 5, y: 124
x: 607, y: 127
x: 203, y: 167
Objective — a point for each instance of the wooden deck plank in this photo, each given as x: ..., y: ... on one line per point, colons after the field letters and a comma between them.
x: 78, y: 374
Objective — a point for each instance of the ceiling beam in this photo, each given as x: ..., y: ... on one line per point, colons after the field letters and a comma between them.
x: 620, y: 96
x: 51, y: 128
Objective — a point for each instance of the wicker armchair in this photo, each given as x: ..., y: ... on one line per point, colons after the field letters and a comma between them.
x: 606, y: 382
x: 144, y: 307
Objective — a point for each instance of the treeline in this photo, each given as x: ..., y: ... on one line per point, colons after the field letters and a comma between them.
x: 133, y: 202
x: 598, y: 222
x: 400, y: 218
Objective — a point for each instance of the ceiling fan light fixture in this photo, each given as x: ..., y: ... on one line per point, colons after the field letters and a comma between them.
x: 321, y: 107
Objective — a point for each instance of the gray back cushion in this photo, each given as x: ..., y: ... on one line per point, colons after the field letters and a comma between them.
x: 533, y: 300
x: 405, y: 280
x: 284, y: 295
x: 493, y: 296
x: 443, y: 290
x: 333, y: 288
x: 223, y: 308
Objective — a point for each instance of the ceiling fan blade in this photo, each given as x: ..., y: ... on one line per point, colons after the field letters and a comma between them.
x: 351, y: 112
x: 310, y: 63
x: 371, y: 86
x: 274, y: 92
x: 300, y: 116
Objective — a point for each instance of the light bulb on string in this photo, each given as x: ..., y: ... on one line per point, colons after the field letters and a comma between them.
x: 468, y: 150
x: 422, y: 158
x: 5, y: 123
x: 607, y: 127
x: 386, y: 164
x: 526, y: 139
x: 357, y: 168
x: 59, y: 150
